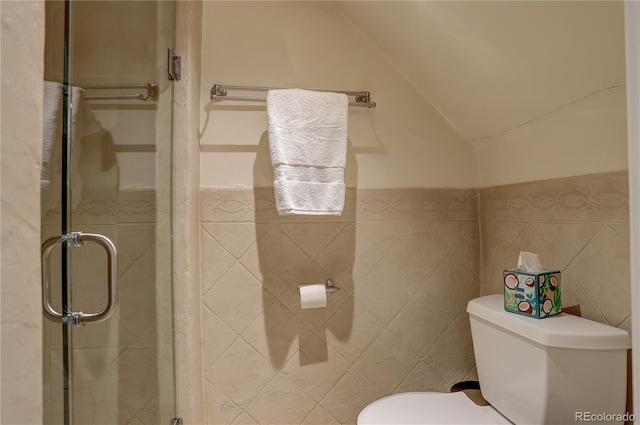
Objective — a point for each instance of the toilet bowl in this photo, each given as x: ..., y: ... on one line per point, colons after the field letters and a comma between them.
x: 532, y: 371
x: 428, y: 408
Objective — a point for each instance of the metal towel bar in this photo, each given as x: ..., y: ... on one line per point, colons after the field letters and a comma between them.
x: 151, y: 91
x: 219, y: 92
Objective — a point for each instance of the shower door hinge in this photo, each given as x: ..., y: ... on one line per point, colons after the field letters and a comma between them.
x: 174, y: 65
x: 176, y: 421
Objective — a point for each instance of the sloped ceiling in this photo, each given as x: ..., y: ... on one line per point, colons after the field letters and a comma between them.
x: 492, y: 66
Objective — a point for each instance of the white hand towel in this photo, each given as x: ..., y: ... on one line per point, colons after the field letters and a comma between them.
x: 83, y: 124
x: 51, y: 130
x: 308, y: 145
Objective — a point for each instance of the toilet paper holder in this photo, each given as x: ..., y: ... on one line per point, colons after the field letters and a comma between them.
x: 331, y: 286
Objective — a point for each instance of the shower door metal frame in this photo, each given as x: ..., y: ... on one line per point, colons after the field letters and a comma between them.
x: 65, y: 226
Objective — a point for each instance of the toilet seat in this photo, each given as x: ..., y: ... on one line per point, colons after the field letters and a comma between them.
x: 428, y: 408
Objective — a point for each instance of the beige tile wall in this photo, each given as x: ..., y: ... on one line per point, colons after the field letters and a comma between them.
x: 407, y: 263
x: 579, y: 225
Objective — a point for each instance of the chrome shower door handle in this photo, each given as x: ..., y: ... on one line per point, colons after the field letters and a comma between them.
x: 77, y: 240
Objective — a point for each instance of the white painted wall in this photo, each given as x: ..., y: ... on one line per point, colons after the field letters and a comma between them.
x: 490, y: 66
x: 404, y: 142
x: 21, y: 131
x: 528, y: 83
x: 588, y: 136
x: 534, y: 106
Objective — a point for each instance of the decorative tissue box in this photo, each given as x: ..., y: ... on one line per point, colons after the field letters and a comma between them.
x: 535, y: 294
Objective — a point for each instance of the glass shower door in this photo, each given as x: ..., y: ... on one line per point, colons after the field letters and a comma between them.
x: 106, y: 213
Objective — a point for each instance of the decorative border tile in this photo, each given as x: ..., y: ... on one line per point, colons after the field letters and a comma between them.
x: 424, y: 204
x: 137, y: 206
x: 108, y: 206
x: 247, y: 204
x: 593, y: 198
x: 97, y: 206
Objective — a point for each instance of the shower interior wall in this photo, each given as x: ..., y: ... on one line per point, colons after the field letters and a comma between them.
x: 415, y: 243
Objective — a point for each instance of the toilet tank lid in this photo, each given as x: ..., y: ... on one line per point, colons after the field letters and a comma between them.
x: 562, y: 331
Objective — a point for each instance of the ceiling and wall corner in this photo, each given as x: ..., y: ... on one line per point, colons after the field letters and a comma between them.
x: 537, y: 82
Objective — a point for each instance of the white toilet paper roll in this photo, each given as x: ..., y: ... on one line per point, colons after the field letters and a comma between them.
x: 313, y: 296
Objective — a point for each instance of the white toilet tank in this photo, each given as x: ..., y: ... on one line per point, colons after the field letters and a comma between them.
x: 547, y: 371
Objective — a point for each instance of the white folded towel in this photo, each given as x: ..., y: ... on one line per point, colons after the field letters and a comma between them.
x: 308, y: 144
x: 51, y: 130
x: 83, y: 124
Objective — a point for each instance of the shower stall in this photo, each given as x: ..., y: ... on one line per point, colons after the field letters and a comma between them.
x: 106, y: 208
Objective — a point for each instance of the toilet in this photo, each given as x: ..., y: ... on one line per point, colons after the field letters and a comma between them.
x: 555, y: 370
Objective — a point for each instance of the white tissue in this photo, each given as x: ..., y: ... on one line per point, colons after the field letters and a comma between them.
x: 313, y: 296
x: 529, y: 262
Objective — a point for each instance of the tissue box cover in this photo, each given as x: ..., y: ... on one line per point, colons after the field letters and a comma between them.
x: 534, y: 294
